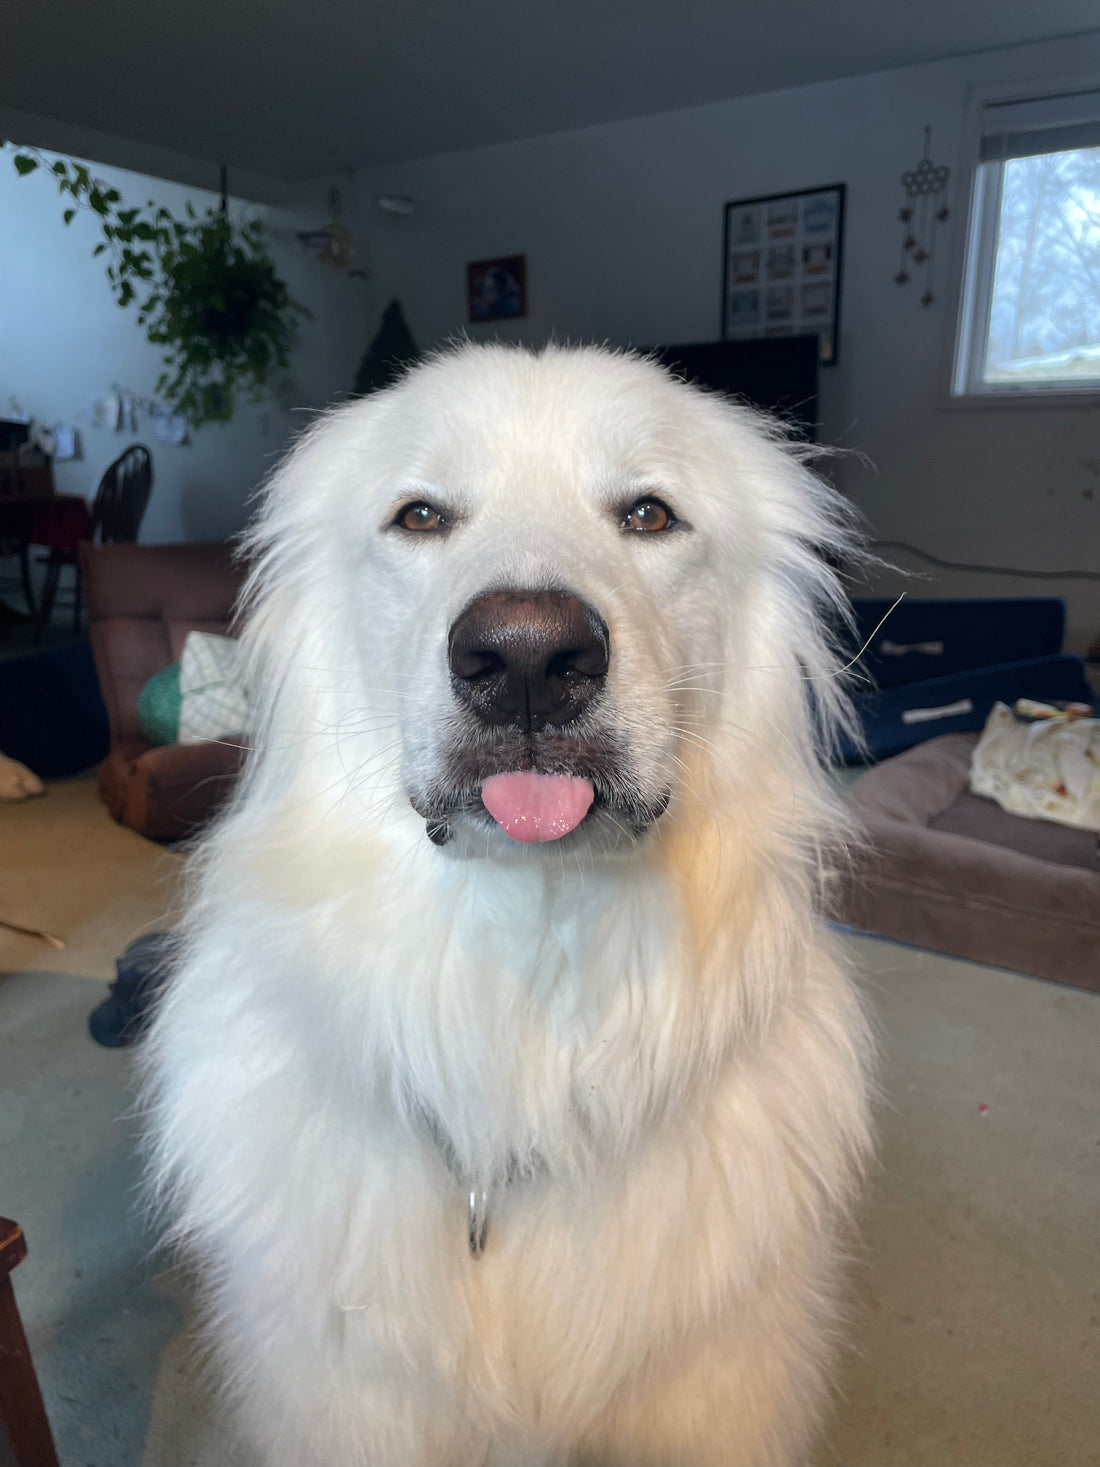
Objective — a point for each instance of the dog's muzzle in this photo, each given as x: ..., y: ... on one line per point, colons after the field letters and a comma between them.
x: 532, y: 755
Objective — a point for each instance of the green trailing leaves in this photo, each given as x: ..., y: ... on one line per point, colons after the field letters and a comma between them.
x: 226, y: 317
x: 205, y: 290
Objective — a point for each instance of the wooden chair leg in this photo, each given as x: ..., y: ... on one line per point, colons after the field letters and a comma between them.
x: 49, y: 592
x: 25, y: 1436
x: 28, y: 584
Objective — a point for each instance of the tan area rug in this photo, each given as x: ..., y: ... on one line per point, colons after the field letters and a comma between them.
x: 67, y: 868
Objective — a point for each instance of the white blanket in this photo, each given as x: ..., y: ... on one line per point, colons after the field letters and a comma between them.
x: 1048, y: 769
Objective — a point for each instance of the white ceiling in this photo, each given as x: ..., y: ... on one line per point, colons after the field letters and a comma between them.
x: 293, y: 90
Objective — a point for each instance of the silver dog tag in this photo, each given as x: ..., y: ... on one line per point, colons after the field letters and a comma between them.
x: 477, y: 1221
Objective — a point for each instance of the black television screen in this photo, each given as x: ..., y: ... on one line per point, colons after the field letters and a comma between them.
x: 779, y: 374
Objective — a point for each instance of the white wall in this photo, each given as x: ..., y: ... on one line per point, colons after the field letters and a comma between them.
x: 622, y: 229
x: 63, y: 342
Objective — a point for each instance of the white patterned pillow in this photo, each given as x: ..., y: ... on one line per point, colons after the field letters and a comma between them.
x: 213, y: 698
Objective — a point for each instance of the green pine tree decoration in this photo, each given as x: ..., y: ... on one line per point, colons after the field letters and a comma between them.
x: 391, y: 349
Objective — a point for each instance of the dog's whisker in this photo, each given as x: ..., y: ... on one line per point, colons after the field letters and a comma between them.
x: 838, y: 672
x: 696, y: 738
x: 307, y: 799
x: 352, y: 777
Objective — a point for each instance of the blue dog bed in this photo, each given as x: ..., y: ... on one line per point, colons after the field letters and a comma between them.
x: 938, y: 666
x: 897, y: 718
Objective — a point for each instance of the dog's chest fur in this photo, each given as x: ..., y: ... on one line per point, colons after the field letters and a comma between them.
x: 571, y: 1042
x: 531, y: 1023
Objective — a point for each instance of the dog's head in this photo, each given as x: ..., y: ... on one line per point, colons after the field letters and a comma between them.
x: 540, y: 592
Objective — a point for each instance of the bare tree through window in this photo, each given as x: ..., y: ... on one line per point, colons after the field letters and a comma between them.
x: 1044, y: 320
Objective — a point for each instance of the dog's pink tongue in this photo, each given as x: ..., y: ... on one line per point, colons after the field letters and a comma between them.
x: 534, y: 807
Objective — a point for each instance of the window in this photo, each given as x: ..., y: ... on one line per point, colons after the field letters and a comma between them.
x: 1030, y: 314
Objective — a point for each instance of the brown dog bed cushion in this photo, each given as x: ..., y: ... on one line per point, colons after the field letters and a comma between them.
x: 951, y: 871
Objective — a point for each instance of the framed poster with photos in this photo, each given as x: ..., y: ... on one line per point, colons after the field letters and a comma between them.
x: 781, y: 259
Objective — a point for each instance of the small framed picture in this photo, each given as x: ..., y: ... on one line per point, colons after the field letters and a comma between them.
x: 496, y: 290
x: 781, y: 258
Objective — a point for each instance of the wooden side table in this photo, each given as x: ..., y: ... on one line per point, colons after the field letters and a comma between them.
x: 25, y: 1436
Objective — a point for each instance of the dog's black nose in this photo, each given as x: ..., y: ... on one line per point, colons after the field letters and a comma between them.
x: 530, y: 658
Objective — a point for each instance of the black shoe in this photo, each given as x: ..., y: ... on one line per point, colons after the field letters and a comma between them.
x: 142, y: 969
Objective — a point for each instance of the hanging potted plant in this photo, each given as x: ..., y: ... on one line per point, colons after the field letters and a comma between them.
x: 205, y: 289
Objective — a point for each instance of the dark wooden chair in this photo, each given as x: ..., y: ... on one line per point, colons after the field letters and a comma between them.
x: 25, y: 1436
x: 117, y: 512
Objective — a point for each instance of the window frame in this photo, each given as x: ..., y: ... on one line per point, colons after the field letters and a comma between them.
x: 974, y: 259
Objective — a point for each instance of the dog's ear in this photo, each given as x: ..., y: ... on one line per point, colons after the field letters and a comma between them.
x: 807, y: 540
x: 292, y: 600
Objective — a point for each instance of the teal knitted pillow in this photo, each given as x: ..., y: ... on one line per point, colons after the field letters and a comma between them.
x: 158, y: 706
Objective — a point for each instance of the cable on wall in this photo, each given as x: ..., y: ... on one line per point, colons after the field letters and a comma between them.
x: 992, y: 570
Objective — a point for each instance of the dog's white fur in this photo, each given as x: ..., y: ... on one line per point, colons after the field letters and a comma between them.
x: 646, y: 1048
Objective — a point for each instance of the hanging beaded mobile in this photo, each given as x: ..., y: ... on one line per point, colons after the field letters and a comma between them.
x: 923, y: 185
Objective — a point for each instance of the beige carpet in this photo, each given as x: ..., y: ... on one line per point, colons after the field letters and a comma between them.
x: 975, y: 1341
x: 66, y: 867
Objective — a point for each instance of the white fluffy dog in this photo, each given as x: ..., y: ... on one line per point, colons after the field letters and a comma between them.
x: 510, y: 1097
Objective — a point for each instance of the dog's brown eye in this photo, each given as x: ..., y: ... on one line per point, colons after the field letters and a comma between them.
x: 420, y: 516
x: 648, y: 515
